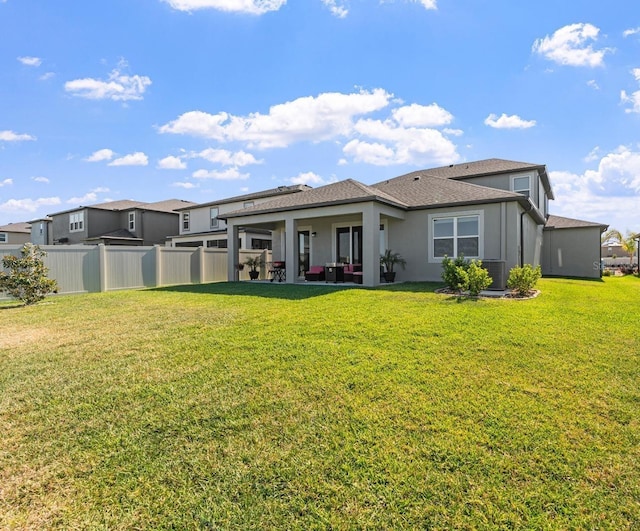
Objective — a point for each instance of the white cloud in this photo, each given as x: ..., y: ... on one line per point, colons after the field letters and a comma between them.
x: 570, y: 46
x: 230, y: 174
x: 30, y: 61
x: 304, y: 119
x: 172, y: 163
x: 594, y: 154
x: 28, y: 205
x: 634, y: 97
x: 428, y: 4
x: 100, y: 155
x: 185, y: 185
x: 41, y: 180
x: 336, y: 9
x: 10, y: 136
x: 226, y: 158
x: 508, y: 122
x: 608, y: 194
x: 47, y: 75
x: 630, y: 31
x: 6, y: 182
x: 593, y: 84
x: 252, y: 7
x: 415, y: 115
x: 133, y: 159
x: 117, y: 87
x: 311, y: 178
x: 88, y: 198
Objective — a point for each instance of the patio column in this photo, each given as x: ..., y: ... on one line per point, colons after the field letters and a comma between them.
x: 370, y: 245
x: 233, y: 256
x: 291, y: 263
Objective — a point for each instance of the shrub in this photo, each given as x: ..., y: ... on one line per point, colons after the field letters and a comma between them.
x: 26, y: 279
x: 523, y: 279
x: 454, y: 273
x: 478, y: 276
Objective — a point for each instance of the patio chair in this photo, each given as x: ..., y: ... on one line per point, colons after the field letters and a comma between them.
x: 277, y: 271
x: 315, y: 274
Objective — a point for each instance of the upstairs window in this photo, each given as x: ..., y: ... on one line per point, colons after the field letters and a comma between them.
x: 522, y: 185
x: 132, y: 221
x: 186, y: 221
x: 76, y: 222
x: 3, y: 237
x: 247, y: 204
x: 213, y: 213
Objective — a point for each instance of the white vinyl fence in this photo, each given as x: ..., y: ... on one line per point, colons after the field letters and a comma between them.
x: 93, y: 268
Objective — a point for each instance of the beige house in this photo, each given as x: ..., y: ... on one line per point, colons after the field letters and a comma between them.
x: 15, y: 234
x: 494, y: 210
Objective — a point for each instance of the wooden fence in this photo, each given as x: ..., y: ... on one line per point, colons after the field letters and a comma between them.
x: 94, y: 268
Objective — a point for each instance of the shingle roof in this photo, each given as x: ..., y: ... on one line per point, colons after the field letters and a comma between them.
x: 16, y: 227
x: 123, y: 204
x: 280, y: 190
x: 168, y: 205
x: 421, y: 189
x: 341, y: 192
x: 558, y: 222
x: 481, y: 167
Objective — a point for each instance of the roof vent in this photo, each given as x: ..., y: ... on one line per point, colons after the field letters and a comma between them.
x: 417, y: 178
x: 450, y: 165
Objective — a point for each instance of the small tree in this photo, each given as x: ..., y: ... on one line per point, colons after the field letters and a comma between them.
x: 523, y: 279
x: 627, y: 243
x: 479, y: 278
x: 26, y: 276
x: 462, y: 275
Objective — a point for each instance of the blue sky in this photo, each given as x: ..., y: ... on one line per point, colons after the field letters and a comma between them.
x: 206, y: 99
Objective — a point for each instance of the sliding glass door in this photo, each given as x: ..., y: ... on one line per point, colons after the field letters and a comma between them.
x: 349, y: 245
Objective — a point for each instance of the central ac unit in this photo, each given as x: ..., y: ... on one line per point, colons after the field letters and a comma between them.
x: 496, y: 269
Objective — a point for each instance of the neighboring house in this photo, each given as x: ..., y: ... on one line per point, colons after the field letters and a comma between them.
x: 118, y: 223
x: 15, y: 233
x: 569, y: 250
x: 41, y: 233
x: 202, y: 224
x: 494, y: 210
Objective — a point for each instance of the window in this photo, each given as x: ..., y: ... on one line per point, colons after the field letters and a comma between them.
x: 260, y: 243
x: 132, y: 221
x: 456, y: 236
x: 213, y: 214
x: 247, y: 204
x: 521, y: 185
x: 3, y: 237
x: 76, y: 222
x: 219, y: 244
x: 185, y: 221
x: 349, y: 245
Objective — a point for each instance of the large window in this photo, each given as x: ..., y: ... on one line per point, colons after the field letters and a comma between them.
x: 186, y: 221
x: 218, y: 244
x: 213, y: 214
x: 76, y: 222
x: 349, y: 245
x: 521, y: 185
x: 456, y: 236
x: 3, y: 237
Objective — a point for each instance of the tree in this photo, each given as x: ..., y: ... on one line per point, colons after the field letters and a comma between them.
x: 26, y: 276
x: 627, y: 243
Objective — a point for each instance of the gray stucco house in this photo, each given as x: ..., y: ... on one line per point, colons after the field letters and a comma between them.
x: 123, y: 222
x: 495, y: 210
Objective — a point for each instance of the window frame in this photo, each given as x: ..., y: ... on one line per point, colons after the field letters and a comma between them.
x: 520, y: 190
x: 455, y: 216
x: 4, y: 237
x: 132, y: 221
x: 214, y: 222
x: 76, y: 221
x: 186, y: 221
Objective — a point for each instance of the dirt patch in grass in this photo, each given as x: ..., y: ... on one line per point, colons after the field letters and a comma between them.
x: 17, y: 338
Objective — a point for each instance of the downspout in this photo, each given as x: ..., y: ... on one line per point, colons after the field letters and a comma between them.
x: 526, y: 211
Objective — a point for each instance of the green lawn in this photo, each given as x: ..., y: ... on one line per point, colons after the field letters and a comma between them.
x: 259, y: 406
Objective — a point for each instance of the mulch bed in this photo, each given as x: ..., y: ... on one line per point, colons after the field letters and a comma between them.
x: 498, y: 295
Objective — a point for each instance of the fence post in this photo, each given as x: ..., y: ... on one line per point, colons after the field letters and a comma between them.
x: 102, y: 266
x: 158, y: 264
x: 201, y: 265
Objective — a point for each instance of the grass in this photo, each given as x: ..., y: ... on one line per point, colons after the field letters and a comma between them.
x: 253, y: 406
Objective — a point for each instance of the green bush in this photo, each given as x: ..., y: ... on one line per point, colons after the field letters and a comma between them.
x: 478, y: 276
x: 26, y: 279
x: 462, y: 275
x: 523, y: 279
x: 454, y: 273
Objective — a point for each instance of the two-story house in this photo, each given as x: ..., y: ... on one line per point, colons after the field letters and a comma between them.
x: 494, y: 210
x: 123, y: 222
x: 202, y: 224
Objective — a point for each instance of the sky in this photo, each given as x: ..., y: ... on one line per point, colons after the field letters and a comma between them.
x: 207, y: 99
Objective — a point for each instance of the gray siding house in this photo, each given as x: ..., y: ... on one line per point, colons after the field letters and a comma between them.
x: 15, y: 233
x: 118, y: 223
x: 495, y: 210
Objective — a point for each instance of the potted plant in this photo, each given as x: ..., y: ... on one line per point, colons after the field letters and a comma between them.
x: 253, y: 262
x: 389, y: 259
